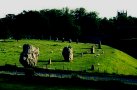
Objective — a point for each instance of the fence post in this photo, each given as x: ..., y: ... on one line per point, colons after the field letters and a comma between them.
x: 82, y: 54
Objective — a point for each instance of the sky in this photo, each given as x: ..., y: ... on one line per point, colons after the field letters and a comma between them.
x: 105, y: 8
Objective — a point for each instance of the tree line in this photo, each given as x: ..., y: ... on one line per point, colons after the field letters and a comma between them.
x: 66, y: 23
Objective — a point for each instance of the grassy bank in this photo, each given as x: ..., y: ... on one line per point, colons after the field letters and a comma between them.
x: 107, y: 59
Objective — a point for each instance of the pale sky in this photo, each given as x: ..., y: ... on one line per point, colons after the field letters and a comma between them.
x: 105, y: 8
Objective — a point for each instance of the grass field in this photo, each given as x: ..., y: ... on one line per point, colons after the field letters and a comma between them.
x: 107, y: 59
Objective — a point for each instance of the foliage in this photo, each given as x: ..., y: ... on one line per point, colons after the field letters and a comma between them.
x: 66, y: 23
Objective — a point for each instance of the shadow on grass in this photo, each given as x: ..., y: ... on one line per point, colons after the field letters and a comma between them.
x: 128, y: 45
x: 6, y: 41
x: 85, y: 48
x: 51, y: 61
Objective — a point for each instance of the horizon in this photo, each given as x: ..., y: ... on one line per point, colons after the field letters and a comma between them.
x: 105, y: 8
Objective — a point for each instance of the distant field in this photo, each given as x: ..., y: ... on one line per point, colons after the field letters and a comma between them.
x: 107, y: 59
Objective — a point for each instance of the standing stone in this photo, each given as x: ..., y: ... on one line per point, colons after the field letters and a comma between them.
x: 63, y: 39
x: 92, y: 50
x: 49, y: 37
x: 29, y: 56
x: 82, y: 54
x: 99, y: 45
x: 56, y: 39
x: 70, y: 40
x: 50, y: 61
x: 77, y: 41
x: 68, y: 53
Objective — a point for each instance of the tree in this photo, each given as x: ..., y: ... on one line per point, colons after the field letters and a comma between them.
x: 7, y: 26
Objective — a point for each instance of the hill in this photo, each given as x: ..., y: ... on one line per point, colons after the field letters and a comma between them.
x: 105, y: 60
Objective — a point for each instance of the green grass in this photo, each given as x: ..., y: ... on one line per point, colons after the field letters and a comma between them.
x: 111, y: 61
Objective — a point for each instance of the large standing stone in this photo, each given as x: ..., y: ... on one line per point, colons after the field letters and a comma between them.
x: 68, y: 53
x: 29, y: 56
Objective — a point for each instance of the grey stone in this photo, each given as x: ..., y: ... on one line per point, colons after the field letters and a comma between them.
x: 70, y: 40
x: 68, y: 53
x: 50, y: 61
x: 29, y: 56
x: 63, y: 39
